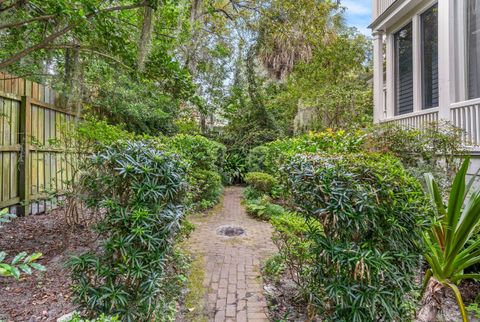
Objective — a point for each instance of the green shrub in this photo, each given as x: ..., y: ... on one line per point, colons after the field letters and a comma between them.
x: 102, y: 318
x: 263, y: 209
x: 250, y: 194
x: 262, y: 182
x: 270, y: 157
x: 202, y: 153
x: 93, y: 131
x: 434, y: 148
x: 291, y: 236
x: 206, y: 187
x: 274, y: 268
x: 140, y: 191
x: 234, y: 168
x: 372, y: 213
x: 206, y: 160
x: 256, y: 159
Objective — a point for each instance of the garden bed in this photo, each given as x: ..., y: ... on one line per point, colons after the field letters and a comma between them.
x: 43, y: 296
x: 285, y: 304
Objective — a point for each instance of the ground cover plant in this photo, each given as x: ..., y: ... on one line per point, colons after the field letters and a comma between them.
x: 367, y: 253
x: 141, y: 189
x: 21, y: 263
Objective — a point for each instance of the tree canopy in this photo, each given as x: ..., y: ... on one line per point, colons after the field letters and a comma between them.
x: 241, y: 68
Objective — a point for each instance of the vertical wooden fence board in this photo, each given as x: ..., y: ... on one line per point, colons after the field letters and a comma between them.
x: 7, y: 114
x: 24, y: 173
x: 32, y: 162
x: 16, y: 122
x: 1, y: 175
x: 7, y: 84
x: 6, y: 176
x: 14, y: 172
x: 2, y: 120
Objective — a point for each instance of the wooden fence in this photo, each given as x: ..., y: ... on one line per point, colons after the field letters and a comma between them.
x: 33, y: 165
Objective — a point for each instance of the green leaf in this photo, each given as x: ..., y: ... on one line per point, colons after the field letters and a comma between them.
x: 455, y: 203
x: 2, y: 256
x: 25, y: 268
x: 15, y: 272
x: 38, y: 267
x: 18, y: 258
x: 33, y: 257
x: 461, y: 305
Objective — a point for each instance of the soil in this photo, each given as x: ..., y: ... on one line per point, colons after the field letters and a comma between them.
x: 42, y: 296
x: 285, y: 304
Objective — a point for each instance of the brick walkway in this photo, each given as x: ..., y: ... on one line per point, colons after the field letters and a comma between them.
x: 234, y: 290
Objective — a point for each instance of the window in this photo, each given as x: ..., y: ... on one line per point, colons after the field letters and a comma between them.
x: 473, y: 48
x: 404, y: 70
x: 429, y: 29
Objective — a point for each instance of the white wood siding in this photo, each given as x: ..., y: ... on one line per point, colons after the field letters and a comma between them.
x: 379, y: 7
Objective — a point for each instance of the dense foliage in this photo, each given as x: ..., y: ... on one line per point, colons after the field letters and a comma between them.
x: 291, y: 236
x: 117, y: 57
x: 435, y: 148
x: 269, y: 158
x: 141, y: 190
x: 264, y: 183
x: 263, y: 208
x: 200, y: 151
x: 205, y: 159
x: 367, y: 254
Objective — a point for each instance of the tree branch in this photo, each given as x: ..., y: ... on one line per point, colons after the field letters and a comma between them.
x: 18, y: 56
x: 11, y: 6
x: 24, y: 22
x: 88, y: 49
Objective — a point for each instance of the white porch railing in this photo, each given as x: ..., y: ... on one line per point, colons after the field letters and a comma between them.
x: 466, y: 116
x: 415, y: 120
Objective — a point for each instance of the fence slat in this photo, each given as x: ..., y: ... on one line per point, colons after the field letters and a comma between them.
x: 24, y: 166
x: 31, y: 165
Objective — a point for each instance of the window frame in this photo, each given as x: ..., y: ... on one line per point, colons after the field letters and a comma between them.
x: 459, y: 60
x: 415, y: 19
x: 397, y: 72
x: 422, y: 60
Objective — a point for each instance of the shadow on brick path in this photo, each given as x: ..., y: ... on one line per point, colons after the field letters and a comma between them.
x: 232, y: 281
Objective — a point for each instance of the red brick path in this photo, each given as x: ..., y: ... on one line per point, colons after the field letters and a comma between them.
x: 232, y: 265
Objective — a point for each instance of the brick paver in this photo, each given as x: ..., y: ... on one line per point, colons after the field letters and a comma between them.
x: 233, y: 284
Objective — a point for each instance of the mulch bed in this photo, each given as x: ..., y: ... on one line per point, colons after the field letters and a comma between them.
x: 42, y: 296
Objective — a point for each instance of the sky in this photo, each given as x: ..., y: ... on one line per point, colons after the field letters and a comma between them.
x: 359, y: 14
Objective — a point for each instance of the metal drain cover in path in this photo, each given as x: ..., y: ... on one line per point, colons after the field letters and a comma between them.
x: 230, y: 231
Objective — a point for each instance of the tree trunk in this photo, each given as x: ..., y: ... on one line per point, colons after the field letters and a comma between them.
x: 73, y: 79
x: 145, y: 38
x: 431, y: 302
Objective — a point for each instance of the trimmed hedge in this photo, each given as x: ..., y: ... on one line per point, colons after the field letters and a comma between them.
x: 368, y: 252
x: 202, y: 153
x: 261, y: 182
x: 269, y: 157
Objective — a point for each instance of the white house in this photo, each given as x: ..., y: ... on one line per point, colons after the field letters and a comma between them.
x: 427, y: 64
